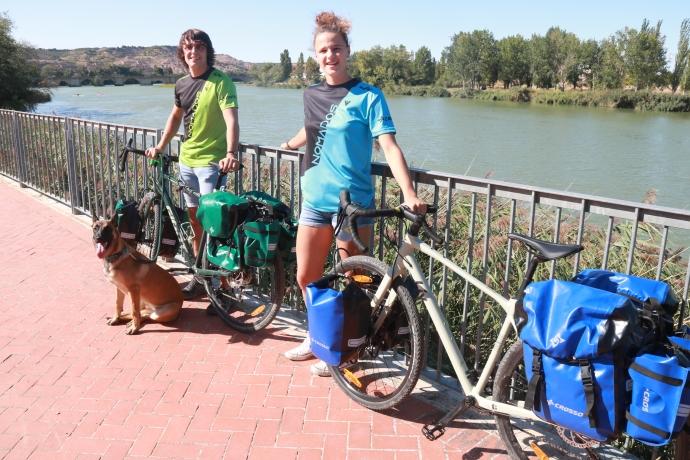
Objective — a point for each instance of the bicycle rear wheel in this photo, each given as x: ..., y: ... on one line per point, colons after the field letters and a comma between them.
x: 149, y: 237
x: 246, y: 300
x: 510, y: 387
x: 387, y: 367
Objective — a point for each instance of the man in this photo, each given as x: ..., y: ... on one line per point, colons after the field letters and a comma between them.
x: 206, y: 99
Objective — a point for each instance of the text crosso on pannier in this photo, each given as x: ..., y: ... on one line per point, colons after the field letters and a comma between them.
x: 339, y: 320
x: 660, y: 401
x: 571, y: 341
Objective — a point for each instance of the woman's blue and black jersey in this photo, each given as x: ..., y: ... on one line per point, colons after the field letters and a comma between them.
x: 341, y: 123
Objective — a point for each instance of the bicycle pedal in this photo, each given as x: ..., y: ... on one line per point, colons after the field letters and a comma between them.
x: 433, y: 432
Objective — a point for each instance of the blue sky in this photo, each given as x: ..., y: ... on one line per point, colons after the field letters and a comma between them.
x: 258, y: 31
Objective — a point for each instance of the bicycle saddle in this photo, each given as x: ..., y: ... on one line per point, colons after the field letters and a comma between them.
x: 546, y: 250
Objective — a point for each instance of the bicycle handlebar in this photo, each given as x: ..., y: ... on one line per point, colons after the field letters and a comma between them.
x: 129, y: 148
x: 353, y: 211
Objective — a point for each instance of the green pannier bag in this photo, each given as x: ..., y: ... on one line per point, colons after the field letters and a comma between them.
x: 220, y: 212
x: 277, y: 208
x: 223, y: 255
x: 260, y: 242
x: 287, y: 240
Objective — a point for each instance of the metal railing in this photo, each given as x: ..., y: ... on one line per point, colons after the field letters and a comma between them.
x: 74, y: 161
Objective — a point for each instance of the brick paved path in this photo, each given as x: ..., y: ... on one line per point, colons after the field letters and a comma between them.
x: 73, y: 387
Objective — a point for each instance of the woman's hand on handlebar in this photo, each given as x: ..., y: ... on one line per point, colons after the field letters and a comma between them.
x: 152, y: 152
x: 415, y: 205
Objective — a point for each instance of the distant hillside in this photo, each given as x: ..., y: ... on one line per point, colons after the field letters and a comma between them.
x: 122, y: 65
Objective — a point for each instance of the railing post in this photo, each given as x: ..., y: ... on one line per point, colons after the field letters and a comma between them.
x: 71, y: 166
x: 19, y: 150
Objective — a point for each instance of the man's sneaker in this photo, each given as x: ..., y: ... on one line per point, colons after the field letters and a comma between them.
x: 321, y: 369
x: 300, y: 352
x: 193, y: 290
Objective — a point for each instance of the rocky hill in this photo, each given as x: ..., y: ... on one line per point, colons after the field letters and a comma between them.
x: 121, y: 65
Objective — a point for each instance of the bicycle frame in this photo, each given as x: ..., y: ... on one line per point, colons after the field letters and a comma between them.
x: 407, y: 263
x: 161, y: 185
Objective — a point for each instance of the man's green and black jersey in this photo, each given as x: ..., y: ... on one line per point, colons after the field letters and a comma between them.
x: 203, y: 100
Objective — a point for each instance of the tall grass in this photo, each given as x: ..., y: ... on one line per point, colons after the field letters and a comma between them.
x: 616, y: 99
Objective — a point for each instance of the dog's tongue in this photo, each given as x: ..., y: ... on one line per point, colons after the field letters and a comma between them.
x: 100, y: 250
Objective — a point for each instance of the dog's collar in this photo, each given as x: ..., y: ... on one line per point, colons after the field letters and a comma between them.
x: 112, y: 258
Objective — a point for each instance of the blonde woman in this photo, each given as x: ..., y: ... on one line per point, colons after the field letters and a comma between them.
x: 343, y: 116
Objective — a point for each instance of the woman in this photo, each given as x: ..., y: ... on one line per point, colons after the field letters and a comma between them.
x: 342, y: 118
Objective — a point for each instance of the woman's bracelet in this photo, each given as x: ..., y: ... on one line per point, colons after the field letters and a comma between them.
x: 287, y: 145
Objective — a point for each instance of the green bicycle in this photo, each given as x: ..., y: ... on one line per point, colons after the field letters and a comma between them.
x: 246, y: 299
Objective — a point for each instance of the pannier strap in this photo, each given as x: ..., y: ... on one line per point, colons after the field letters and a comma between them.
x: 653, y: 375
x: 531, y: 401
x: 647, y: 427
x: 586, y: 375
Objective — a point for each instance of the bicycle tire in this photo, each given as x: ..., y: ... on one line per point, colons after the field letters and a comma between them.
x: 510, y: 386
x: 387, y: 366
x: 246, y: 307
x: 149, y: 236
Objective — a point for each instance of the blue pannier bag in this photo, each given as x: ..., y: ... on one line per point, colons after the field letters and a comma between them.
x: 642, y: 289
x: 571, y: 342
x: 660, y: 400
x: 339, y: 320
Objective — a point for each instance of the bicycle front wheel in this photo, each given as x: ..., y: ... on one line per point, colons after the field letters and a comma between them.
x: 387, y: 366
x: 247, y: 300
x: 528, y: 438
x: 149, y: 237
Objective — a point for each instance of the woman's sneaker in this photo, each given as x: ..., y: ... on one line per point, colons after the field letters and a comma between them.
x: 321, y: 369
x: 300, y: 352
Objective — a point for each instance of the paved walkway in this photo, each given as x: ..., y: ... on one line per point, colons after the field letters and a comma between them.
x: 73, y: 387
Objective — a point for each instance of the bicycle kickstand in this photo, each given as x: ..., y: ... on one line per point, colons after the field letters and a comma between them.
x: 435, y: 431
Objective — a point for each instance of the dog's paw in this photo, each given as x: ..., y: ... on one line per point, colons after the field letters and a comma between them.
x: 132, y: 328
x: 114, y: 320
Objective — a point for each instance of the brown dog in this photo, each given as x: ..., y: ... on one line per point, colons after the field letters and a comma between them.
x: 154, y: 292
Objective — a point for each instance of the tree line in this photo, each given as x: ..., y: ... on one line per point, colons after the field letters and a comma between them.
x: 476, y: 60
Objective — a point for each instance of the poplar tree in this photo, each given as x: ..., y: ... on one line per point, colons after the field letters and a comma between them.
x: 679, y: 76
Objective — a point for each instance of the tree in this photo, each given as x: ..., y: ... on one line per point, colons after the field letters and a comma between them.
x: 312, y: 73
x: 367, y: 65
x: 644, y: 55
x: 473, y: 58
x: 680, y: 72
x: 423, y: 67
x: 563, y: 50
x: 540, y: 62
x: 299, y: 67
x: 17, y: 75
x: 609, y: 69
x: 397, y: 65
x: 587, y: 58
x: 513, y: 60
x: 285, y: 65
x: 268, y: 74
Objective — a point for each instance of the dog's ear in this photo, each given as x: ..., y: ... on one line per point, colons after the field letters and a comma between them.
x: 94, y: 217
x: 113, y: 219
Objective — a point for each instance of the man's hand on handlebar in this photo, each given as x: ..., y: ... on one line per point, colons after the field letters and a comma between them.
x: 229, y: 163
x: 152, y: 152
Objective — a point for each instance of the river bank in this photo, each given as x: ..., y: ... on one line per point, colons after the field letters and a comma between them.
x: 644, y: 100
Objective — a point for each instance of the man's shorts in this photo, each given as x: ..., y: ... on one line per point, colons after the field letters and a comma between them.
x: 312, y: 218
x: 201, y: 179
